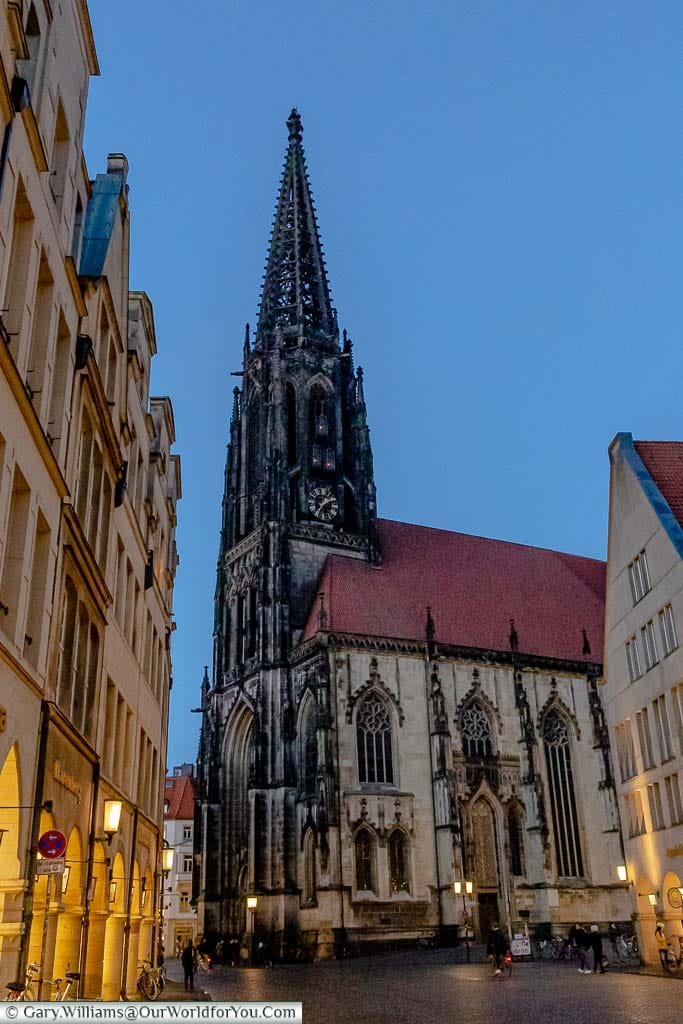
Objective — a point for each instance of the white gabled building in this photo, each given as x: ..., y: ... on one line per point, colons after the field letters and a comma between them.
x: 643, y: 691
x: 180, y: 918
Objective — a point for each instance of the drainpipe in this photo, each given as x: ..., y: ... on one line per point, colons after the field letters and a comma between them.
x: 129, y: 900
x: 31, y: 858
x: 85, y: 924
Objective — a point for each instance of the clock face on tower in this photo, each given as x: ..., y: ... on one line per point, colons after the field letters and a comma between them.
x: 323, y: 503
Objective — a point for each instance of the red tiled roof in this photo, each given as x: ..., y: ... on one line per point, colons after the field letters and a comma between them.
x: 180, y: 791
x: 474, y: 586
x: 664, y: 462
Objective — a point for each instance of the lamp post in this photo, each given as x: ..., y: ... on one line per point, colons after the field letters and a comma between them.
x: 459, y: 891
x: 252, y: 904
x: 167, y: 858
x: 622, y: 873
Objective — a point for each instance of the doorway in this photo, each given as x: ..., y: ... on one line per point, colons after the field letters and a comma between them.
x: 487, y: 903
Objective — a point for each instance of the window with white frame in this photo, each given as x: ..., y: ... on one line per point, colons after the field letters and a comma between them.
x: 639, y: 577
x: 187, y: 862
x: 668, y: 629
x: 645, y: 737
x: 661, y: 717
x: 187, y: 831
x: 634, y: 814
x: 674, y: 798
x: 649, y: 644
x: 184, y: 904
x: 626, y: 750
x: 633, y: 659
x: 677, y: 705
x: 654, y: 798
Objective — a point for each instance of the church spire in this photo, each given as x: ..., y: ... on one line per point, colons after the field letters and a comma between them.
x: 295, y: 295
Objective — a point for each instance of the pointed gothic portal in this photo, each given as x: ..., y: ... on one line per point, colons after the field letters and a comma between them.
x: 296, y: 296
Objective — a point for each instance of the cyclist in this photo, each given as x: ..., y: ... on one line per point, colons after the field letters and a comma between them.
x: 497, y: 947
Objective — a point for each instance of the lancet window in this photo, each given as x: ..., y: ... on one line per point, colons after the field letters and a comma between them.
x: 558, y: 757
x: 477, y: 739
x: 374, y: 741
x: 364, y: 850
x: 309, y: 751
x: 398, y: 862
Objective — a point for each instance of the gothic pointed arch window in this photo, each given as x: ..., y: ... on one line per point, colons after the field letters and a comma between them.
x: 254, y: 469
x: 566, y: 831
x: 364, y: 855
x: 374, y: 740
x: 399, y: 880
x: 292, y: 446
x: 477, y: 736
x: 515, y: 822
x: 310, y: 887
x: 309, y: 749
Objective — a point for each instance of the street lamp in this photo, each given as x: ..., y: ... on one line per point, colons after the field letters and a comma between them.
x: 458, y: 889
x: 652, y: 899
x: 622, y: 873
x: 252, y: 903
x: 167, y: 856
x: 112, y: 818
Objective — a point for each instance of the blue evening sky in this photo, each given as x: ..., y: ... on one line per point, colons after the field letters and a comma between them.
x: 498, y: 190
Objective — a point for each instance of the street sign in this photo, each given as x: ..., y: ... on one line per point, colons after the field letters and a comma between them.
x: 520, y: 946
x: 51, y: 867
x: 52, y: 844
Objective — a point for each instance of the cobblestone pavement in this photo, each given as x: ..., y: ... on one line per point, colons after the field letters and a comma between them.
x: 427, y: 987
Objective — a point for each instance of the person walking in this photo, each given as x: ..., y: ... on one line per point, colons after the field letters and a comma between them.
x: 582, y: 942
x: 596, y: 945
x: 189, y: 962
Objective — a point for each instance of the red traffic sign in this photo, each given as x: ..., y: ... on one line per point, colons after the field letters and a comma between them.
x: 52, y: 844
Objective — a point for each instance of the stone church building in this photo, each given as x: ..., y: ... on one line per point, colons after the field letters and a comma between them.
x: 393, y: 708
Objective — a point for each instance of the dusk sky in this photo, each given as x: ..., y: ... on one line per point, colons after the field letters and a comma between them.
x: 498, y: 191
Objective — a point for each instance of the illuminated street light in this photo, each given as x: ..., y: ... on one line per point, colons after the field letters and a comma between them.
x: 112, y: 818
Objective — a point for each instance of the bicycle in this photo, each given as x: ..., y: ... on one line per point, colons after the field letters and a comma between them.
x: 671, y: 962
x: 18, y: 992
x: 148, y: 982
x: 426, y: 941
x: 61, y: 995
x: 502, y: 965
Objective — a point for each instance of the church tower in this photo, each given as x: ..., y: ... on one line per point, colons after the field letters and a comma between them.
x: 298, y: 486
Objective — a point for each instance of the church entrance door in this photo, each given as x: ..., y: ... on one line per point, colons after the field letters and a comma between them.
x: 488, y: 913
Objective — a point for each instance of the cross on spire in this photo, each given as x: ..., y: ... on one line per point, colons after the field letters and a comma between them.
x: 295, y: 297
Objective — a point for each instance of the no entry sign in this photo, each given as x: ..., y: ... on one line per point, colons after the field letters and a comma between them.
x: 52, y: 844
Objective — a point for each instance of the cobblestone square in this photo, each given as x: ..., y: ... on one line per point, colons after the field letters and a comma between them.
x: 429, y: 987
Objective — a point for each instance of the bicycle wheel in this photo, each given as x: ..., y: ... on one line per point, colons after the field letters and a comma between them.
x: 147, y: 986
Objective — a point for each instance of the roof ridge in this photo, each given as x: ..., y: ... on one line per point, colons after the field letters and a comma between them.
x: 496, y: 540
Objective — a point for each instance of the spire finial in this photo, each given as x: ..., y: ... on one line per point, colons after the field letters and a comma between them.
x: 295, y: 294
x: 247, y: 341
x: 235, y: 404
x: 296, y: 128
x: 586, y: 643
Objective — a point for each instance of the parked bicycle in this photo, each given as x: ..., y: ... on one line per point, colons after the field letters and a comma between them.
x: 21, y: 991
x: 627, y: 947
x: 62, y: 986
x: 426, y: 940
x: 150, y: 980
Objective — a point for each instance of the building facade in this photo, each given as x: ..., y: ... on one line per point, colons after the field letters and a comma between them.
x: 643, y: 690
x: 180, y: 917
x: 88, y: 487
x: 393, y: 709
